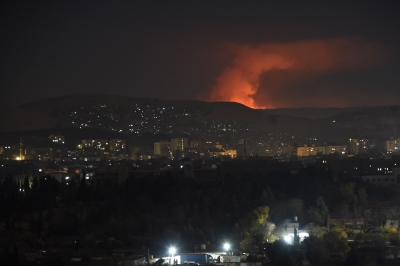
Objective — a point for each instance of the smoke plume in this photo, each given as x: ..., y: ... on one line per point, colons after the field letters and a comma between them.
x: 240, y: 81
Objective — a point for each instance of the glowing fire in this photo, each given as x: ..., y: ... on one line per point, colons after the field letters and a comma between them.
x: 240, y: 81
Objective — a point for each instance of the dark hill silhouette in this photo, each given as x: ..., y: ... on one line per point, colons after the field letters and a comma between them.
x: 208, y: 111
x: 329, y: 123
x: 14, y: 118
x: 313, y: 112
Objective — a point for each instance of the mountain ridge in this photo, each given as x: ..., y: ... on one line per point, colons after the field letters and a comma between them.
x: 330, y: 123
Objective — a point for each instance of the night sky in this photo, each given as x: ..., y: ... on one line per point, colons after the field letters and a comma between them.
x: 263, y: 54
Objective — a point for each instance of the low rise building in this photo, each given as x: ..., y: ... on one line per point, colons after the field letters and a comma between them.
x: 325, y: 150
x: 389, y: 177
x: 223, y: 153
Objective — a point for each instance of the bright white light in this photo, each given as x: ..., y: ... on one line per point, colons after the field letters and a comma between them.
x: 288, y: 239
x: 303, y: 235
x: 172, y: 251
x: 227, y: 246
x: 67, y: 177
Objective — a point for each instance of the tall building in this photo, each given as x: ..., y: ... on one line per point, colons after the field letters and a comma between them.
x: 162, y: 148
x: 117, y: 145
x: 392, y: 145
x: 357, y: 146
x: 179, y: 144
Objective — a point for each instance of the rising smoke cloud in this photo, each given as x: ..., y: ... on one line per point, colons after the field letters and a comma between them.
x: 240, y: 81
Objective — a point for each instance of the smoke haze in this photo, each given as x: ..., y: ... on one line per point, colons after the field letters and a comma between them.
x: 291, y: 63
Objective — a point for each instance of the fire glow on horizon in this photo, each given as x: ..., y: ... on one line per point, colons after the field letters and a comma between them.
x: 240, y: 81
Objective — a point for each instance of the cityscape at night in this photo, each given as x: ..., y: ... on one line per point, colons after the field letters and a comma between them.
x: 212, y: 133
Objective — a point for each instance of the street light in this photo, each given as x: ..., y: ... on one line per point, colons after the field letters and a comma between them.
x: 172, y: 250
x: 227, y: 247
x: 288, y: 239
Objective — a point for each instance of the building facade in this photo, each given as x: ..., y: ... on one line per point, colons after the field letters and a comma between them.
x: 162, y: 148
x: 357, y: 146
x: 117, y: 145
x: 392, y: 145
x: 179, y: 144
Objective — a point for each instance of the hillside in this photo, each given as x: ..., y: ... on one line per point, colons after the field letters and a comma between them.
x: 19, y: 119
x: 199, y: 119
x: 200, y: 112
x: 381, y: 122
x: 311, y: 112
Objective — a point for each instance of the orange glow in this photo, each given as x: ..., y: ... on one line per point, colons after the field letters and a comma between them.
x: 240, y: 81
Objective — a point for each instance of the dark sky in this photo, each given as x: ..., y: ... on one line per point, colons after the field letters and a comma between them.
x: 288, y: 54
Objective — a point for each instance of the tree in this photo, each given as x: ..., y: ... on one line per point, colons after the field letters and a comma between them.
x: 362, y: 199
x: 356, y: 202
x: 26, y: 184
x: 248, y: 243
x: 283, y: 254
x: 35, y: 185
x: 392, y: 214
x: 330, y: 249
x: 39, y: 224
x: 254, y: 225
x: 267, y: 197
x: 320, y: 215
x: 376, y: 244
x: 336, y: 244
x: 262, y: 215
x: 83, y: 189
x: 316, y: 251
